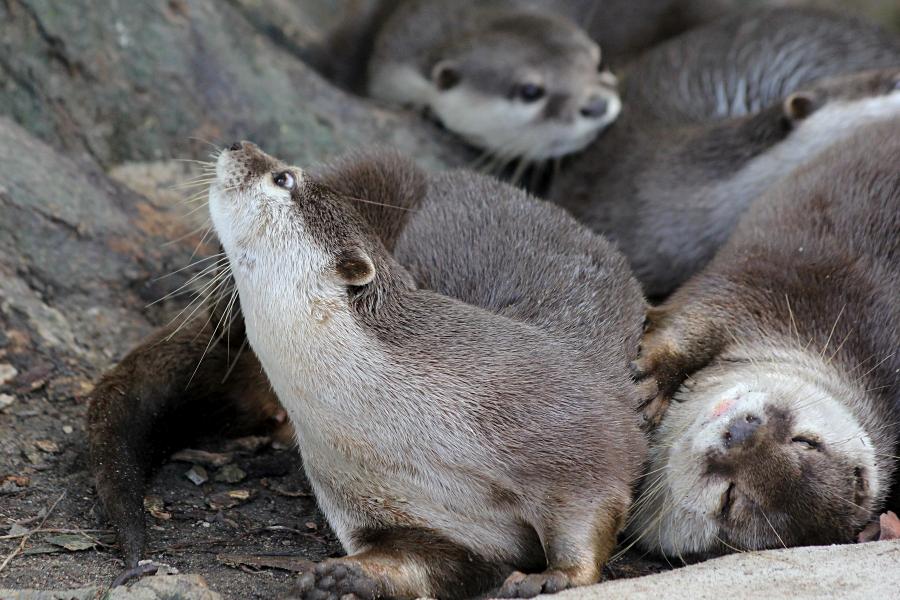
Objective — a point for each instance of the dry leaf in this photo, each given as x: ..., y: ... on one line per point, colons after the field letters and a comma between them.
x: 48, y: 446
x: 202, y: 457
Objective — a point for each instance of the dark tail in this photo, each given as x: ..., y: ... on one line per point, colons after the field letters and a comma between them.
x: 158, y: 400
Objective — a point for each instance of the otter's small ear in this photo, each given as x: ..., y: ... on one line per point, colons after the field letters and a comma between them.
x: 445, y: 75
x: 799, y: 105
x: 355, y: 267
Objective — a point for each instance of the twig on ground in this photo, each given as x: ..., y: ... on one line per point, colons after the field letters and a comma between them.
x: 14, y: 536
x: 25, y: 537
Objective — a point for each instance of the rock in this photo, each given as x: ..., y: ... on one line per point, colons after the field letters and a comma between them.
x: 849, y: 572
x: 7, y: 373
x: 140, y: 81
x: 6, y: 401
x: 166, y: 587
x: 73, y: 315
x: 230, y: 474
x: 197, y: 475
x: 87, y: 593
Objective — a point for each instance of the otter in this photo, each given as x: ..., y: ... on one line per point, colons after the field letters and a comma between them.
x: 782, y: 357
x: 435, y: 432
x: 748, y: 60
x: 515, y: 78
x: 488, y: 257
x: 715, y: 116
x: 670, y: 196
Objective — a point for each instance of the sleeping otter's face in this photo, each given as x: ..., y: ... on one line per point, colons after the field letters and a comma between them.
x: 755, y: 457
x: 524, y: 86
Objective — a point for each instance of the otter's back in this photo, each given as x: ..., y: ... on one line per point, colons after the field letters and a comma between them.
x: 493, y: 246
x: 744, y: 62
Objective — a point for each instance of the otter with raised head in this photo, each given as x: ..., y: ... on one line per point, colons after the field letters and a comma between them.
x: 513, y: 77
x: 451, y: 445
x: 669, y: 197
x: 782, y: 356
x: 501, y: 474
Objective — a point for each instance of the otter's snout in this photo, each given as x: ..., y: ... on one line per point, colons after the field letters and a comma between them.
x: 245, y: 146
x: 741, y: 430
x: 595, y: 107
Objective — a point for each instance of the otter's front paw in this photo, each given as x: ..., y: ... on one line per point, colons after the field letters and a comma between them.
x: 659, y: 370
x: 334, y: 579
x: 520, y: 585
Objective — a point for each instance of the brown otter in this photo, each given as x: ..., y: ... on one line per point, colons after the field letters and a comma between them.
x: 670, y: 196
x: 496, y: 253
x: 782, y: 355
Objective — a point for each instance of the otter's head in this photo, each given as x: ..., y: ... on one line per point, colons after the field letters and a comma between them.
x: 524, y: 85
x: 757, y: 456
x: 835, y: 108
x: 290, y: 241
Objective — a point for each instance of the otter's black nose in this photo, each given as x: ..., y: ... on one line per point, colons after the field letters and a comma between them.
x: 596, y: 107
x: 741, y: 430
x: 235, y: 147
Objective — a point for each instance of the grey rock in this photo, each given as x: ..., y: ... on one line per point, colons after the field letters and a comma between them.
x: 856, y: 571
x: 149, y: 80
x: 168, y: 587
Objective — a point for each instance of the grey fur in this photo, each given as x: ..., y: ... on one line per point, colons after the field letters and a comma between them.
x: 701, y: 114
x: 495, y: 47
x: 507, y: 410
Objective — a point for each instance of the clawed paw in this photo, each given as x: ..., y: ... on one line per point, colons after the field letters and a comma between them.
x: 334, y: 579
x: 655, y: 378
x: 520, y: 585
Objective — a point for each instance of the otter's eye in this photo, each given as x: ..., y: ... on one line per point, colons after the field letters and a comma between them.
x: 530, y: 92
x: 808, y: 443
x: 284, y: 180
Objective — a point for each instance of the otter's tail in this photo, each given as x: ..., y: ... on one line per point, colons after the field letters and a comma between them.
x: 159, y: 398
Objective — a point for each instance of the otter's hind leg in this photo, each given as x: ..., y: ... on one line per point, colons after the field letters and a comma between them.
x: 401, y: 563
x: 578, y: 540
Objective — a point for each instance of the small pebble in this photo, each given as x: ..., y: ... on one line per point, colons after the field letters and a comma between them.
x: 230, y: 474
x: 6, y: 401
x: 197, y: 475
x: 67, y: 429
x: 7, y: 373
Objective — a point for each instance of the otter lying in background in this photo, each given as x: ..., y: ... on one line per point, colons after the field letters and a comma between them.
x: 713, y: 118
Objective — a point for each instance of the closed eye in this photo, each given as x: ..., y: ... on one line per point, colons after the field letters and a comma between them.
x: 808, y: 442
